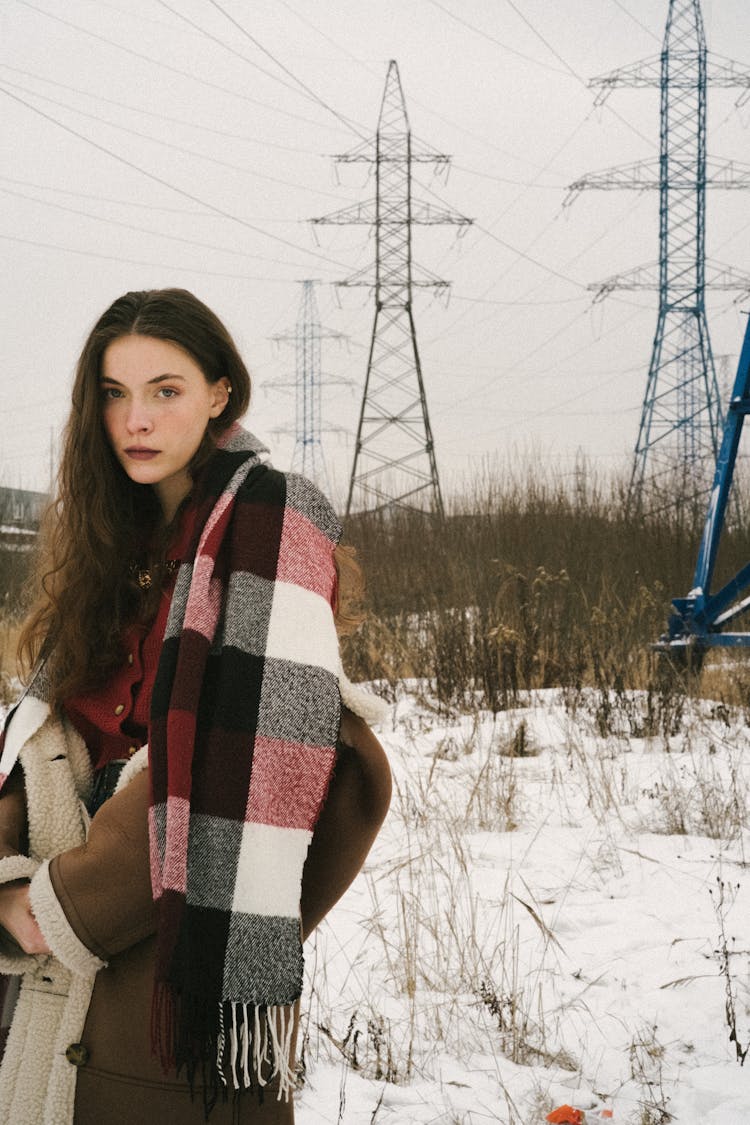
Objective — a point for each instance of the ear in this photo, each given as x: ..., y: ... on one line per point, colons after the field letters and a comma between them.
x: 219, y: 397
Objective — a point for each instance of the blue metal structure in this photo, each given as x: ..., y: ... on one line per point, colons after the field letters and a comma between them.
x: 681, y: 417
x: 700, y: 619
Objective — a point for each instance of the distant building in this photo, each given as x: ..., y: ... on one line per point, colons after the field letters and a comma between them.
x: 20, y: 512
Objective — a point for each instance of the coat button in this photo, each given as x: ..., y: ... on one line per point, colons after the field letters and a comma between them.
x: 119, y: 708
x: 130, y: 659
x: 132, y: 750
x: 77, y: 1054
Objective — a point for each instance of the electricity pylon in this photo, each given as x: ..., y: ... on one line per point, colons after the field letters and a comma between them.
x: 394, y: 457
x: 307, y: 457
x: 682, y: 414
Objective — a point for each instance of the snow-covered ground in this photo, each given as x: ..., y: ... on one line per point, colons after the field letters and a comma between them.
x: 571, y: 926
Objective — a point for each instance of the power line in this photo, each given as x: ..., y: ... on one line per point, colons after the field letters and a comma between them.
x: 514, y: 303
x: 353, y: 126
x: 165, y: 183
x: 172, y: 69
x: 546, y: 43
x: 140, y: 262
x: 574, y: 73
x: 98, y: 4
x: 146, y: 230
x: 162, y: 143
x: 553, y: 409
x: 489, y: 382
x: 636, y: 20
x: 103, y: 198
x: 497, y: 42
x: 533, y: 288
x: 520, y: 195
x: 214, y: 130
x: 232, y: 50
x: 506, y: 179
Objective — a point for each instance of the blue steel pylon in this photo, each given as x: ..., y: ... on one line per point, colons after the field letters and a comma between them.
x: 394, y: 458
x: 701, y: 617
x: 682, y: 416
x: 307, y: 457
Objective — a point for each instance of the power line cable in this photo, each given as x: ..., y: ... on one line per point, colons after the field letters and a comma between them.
x: 533, y: 288
x: 104, y: 198
x: 512, y: 303
x: 546, y: 42
x: 545, y: 413
x: 462, y: 398
x: 549, y: 340
x: 636, y: 20
x: 147, y: 230
x: 274, y: 107
x: 649, y: 141
x: 521, y: 195
x: 213, y: 130
x: 165, y: 183
x: 163, y: 24
x: 259, y: 174
x: 492, y: 39
x: 140, y: 262
x: 353, y: 126
x: 506, y: 179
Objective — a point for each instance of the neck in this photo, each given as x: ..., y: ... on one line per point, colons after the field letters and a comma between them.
x: 172, y: 492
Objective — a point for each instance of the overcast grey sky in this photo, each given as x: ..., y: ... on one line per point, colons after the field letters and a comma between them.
x: 519, y: 364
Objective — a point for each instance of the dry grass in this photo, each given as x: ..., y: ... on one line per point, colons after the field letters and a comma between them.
x: 528, y: 584
x: 9, y: 631
x: 8, y: 641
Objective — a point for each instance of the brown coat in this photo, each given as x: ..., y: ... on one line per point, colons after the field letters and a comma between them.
x: 104, y: 890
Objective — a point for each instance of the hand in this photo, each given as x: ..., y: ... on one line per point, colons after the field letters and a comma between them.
x: 17, y: 918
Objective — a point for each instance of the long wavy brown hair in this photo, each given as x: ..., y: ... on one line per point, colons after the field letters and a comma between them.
x: 84, y: 594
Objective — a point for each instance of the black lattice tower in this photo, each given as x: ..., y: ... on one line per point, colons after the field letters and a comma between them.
x: 307, y: 457
x: 681, y: 416
x: 394, y: 457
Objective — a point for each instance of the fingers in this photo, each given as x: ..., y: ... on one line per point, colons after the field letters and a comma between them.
x: 18, y: 919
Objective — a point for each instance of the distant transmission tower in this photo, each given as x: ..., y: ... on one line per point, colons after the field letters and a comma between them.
x: 394, y: 458
x: 681, y: 417
x: 307, y: 458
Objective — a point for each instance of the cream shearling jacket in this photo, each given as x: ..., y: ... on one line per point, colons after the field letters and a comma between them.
x: 37, y: 1077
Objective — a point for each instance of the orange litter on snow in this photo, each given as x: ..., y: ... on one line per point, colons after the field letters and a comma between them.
x: 566, y: 1115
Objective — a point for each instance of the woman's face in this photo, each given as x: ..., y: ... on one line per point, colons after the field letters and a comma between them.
x: 156, y: 404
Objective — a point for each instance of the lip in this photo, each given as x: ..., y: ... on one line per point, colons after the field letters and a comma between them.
x: 138, y: 453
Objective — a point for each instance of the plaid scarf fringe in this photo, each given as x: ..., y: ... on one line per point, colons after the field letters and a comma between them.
x: 235, y: 1046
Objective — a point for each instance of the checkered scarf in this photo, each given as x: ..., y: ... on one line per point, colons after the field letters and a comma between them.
x: 244, y: 721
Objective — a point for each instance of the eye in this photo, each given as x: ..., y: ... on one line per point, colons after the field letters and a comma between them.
x: 109, y: 393
x: 168, y: 392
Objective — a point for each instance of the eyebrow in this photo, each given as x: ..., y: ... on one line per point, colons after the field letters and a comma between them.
x: 156, y: 379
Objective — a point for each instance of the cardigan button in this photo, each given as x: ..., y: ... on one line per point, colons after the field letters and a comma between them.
x: 119, y: 708
x: 132, y: 750
x: 77, y: 1054
x: 130, y: 658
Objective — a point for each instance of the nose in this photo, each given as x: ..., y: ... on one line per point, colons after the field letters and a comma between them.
x: 139, y: 420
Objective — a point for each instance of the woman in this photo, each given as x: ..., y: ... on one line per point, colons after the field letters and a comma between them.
x: 188, y: 696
